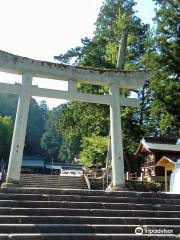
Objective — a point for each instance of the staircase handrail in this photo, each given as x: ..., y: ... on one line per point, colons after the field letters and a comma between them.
x: 87, y: 182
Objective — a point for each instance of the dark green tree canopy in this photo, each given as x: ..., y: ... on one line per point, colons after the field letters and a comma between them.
x: 6, y: 130
x: 165, y: 82
x: 35, y: 126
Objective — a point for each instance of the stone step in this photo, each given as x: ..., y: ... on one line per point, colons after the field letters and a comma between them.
x: 51, y: 181
x: 69, y: 185
x: 83, y: 236
x: 87, y: 212
x: 91, y: 193
x: 46, y: 176
x: 51, y: 178
x: 42, y: 219
x: 92, y: 205
x: 44, y: 183
x: 57, y: 186
x: 47, y: 214
x: 82, y: 198
x: 83, y: 228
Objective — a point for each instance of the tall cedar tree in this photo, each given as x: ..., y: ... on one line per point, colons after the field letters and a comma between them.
x: 165, y: 83
x: 87, y: 120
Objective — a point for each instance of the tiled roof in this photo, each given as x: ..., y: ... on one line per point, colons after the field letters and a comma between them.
x: 161, y: 146
x: 147, y: 145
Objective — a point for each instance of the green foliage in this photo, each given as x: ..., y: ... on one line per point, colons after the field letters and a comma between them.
x: 35, y: 127
x: 66, y: 125
x: 165, y: 82
x: 108, y: 16
x: 36, y: 121
x: 77, y: 120
x: 94, y: 150
x: 6, y: 130
x: 168, y: 35
x: 8, y: 105
x: 51, y: 139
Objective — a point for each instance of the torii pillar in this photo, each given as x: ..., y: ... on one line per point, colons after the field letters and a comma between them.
x: 116, y: 139
x: 115, y: 124
x: 18, y: 140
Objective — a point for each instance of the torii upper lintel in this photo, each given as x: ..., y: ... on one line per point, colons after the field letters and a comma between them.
x: 18, y: 65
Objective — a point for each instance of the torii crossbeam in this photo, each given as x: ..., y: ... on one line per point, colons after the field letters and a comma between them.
x: 30, y: 68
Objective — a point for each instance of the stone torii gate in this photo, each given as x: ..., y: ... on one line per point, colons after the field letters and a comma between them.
x: 30, y: 68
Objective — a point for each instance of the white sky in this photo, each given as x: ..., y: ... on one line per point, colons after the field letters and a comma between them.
x: 40, y: 29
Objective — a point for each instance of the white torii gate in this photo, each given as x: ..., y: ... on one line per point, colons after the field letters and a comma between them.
x: 30, y: 68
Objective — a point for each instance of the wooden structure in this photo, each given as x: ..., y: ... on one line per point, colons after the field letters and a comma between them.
x: 168, y: 165
x: 153, y: 150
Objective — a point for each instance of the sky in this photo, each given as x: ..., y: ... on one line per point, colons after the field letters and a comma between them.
x: 41, y: 29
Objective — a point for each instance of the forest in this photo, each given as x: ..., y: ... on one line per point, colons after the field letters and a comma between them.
x: 82, y: 129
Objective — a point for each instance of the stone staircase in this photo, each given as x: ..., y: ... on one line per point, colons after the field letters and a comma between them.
x: 61, y: 214
x: 51, y: 181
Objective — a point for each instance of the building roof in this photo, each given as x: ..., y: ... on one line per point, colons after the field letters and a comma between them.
x: 167, y: 163
x: 32, y: 163
x: 172, y: 157
x: 63, y: 166
x: 147, y: 146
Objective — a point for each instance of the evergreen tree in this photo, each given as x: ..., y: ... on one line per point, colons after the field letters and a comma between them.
x: 165, y: 82
x: 51, y: 139
x: 6, y: 130
x: 36, y: 121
